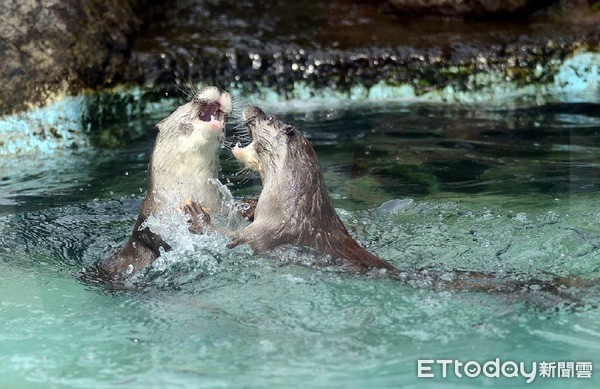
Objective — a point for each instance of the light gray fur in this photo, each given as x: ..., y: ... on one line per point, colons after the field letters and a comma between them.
x: 185, y: 157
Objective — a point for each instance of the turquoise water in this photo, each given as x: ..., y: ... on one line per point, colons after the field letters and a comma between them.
x: 510, y: 192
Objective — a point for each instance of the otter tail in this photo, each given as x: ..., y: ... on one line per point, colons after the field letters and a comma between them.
x: 550, y: 292
x: 353, y: 252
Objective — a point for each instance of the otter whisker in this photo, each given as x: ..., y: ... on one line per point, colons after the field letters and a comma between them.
x: 186, y: 87
x: 239, y: 104
x: 240, y: 138
x: 246, y: 174
x: 228, y: 145
x: 184, y: 91
x: 239, y: 126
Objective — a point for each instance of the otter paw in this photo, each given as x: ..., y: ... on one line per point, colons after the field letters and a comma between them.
x: 236, y: 240
x: 232, y: 245
x: 199, y: 216
x: 247, y: 208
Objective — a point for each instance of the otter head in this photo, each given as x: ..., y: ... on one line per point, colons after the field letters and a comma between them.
x: 199, y: 124
x: 186, y: 152
x: 271, y: 141
x: 210, y: 106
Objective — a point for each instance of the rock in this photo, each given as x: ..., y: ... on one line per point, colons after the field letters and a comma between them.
x: 55, y: 47
x: 284, y: 49
x: 298, y: 49
x: 467, y: 7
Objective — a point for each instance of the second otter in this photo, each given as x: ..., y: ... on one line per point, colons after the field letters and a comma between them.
x: 293, y: 207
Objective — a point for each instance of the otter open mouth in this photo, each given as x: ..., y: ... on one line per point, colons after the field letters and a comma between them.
x: 212, y: 111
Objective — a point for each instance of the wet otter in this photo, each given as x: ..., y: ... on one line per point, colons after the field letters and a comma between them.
x: 183, y: 161
x: 293, y: 207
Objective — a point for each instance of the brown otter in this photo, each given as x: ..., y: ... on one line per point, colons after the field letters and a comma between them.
x: 183, y: 163
x: 293, y: 207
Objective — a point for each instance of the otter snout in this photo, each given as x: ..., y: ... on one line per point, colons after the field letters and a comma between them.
x: 247, y: 155
x: 237, y: 152
x: 252, y: 113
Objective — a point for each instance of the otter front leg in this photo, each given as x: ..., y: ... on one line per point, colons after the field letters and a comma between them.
x: 236, y: 240
x: 199, y: 216
x: 258, y: 237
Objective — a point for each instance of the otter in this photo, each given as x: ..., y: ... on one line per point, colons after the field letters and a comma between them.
x: 294, y: 206
x: 184, y: 160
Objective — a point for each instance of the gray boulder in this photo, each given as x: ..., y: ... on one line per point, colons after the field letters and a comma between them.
x: 55, y: 47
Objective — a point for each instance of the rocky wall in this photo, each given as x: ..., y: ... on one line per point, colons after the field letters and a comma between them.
x: 71, y: 69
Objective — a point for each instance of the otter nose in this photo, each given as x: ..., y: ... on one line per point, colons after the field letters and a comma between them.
x: 252, y: 113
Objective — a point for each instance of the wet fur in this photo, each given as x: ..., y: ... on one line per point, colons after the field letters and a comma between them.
x: 184, y: 158
x: 294, y: 206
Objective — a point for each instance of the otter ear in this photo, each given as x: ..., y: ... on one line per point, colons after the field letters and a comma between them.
x: 288, y: 129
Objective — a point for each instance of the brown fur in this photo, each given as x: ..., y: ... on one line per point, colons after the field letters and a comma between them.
x: 294, y: 206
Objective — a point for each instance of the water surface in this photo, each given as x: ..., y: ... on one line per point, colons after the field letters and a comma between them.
x: 508, y: 192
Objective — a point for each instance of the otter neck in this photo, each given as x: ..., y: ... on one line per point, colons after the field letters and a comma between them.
x: 296, y: 187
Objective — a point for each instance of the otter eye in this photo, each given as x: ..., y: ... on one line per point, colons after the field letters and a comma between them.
x: 270, y: 118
